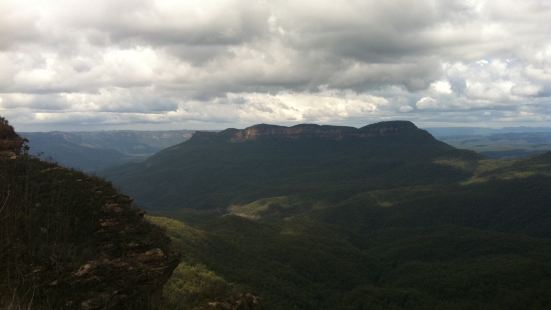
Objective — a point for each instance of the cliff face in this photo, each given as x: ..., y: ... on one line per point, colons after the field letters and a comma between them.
x: 71, y: 241
x: 304, y: 131
x: 311, y: 131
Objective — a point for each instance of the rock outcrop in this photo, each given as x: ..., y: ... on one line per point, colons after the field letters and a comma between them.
x: 10, y: 143
x: 133, y: 259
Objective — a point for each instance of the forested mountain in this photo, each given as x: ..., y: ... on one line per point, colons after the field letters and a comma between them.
x: 214, y: 170
x: 322, y: 217
x: 272, y: 217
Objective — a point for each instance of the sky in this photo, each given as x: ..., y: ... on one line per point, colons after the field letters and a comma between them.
x: 175, y: 64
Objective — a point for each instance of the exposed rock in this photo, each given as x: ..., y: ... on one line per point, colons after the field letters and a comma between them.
x: 11, y: 144
x: 112, y: 208
x: 84, y: 269
x: 108, y: 222
x: 151, y: 256
x: 245, y: 301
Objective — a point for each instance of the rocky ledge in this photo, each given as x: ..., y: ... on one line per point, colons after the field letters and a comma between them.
x: 133, y: 260
x: 10, y: 143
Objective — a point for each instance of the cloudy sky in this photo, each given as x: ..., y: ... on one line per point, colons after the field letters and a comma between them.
x: 171, y: 64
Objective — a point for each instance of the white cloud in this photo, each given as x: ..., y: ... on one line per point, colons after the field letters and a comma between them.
x: 441, y: 87
x: 237, y: 62
x: 427, y: 103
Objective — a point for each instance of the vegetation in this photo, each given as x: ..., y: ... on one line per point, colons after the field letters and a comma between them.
x: 195, y: 175
x: 385, y: 217
x: 194, y: 287
x: 325, y: 261
x: 316, y: 224
x: 71, y: 241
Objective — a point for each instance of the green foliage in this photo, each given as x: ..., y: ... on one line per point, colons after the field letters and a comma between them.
x: 352, y: 225
x: 214, y: 175
x: 300, y: 264
x: 51, y: 224
x: 307, y: 224
x: 193, y: 287
x: 485, y: 245
x: 275, y: 207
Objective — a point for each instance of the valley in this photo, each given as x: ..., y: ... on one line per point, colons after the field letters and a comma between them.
x: 275, y: 155
x: 95, y: 151
x: 383, y: 216
x: 337, y: 219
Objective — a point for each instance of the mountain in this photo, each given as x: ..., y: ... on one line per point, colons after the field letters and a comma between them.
x: 325, y: 217
x: 57, y: 148
x: 71, y: 241
x: 93, y: 151
x: 404, y: 130
x: 215, y: 170
x: 272, y: 217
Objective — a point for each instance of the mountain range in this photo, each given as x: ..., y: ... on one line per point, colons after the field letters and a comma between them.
x: 214, y: 170
x: 384, y: 216
x: 93, y: 151
x: 327, y: 217
x: 504, y: 145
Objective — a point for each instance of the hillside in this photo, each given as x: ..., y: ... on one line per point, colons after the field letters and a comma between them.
x: 484, y: 243
x: 71, y: 241
x: 326, y: 217
x: 215, y: 170
x: 272, y: 217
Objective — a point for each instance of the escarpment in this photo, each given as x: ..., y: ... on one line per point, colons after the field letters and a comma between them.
x: 72, y: 241
x: 386, y: 130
